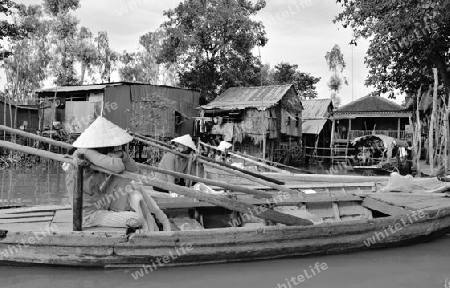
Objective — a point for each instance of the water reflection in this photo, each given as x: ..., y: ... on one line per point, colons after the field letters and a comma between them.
x: 40, y: 183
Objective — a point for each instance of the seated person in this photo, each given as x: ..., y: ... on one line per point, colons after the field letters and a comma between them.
x: 103, y: 191
x: 172, y: 162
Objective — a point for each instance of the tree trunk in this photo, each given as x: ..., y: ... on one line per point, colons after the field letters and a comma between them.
x: 445, y: 75
x: 83, y: 72
x: 433, y: 121
x: 417, y: 143
x: 446, y: 133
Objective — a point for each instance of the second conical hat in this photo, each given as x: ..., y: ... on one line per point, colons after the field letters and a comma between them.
x: 185, y: 140
x: 102, y: 133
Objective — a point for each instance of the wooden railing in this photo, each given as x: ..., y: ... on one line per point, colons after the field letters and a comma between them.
x: 358, y: 133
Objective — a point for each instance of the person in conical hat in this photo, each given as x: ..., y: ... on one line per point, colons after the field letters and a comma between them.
x: 170, y: 161
x: 107, y: 197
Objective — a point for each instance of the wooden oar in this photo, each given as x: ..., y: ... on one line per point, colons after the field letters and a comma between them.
x: 249, y: 160
x: 257, y: 180
x: 222, y: 201
x: 209, y: 181
x: 154, y: 143
x: 260, y: 164
x: 221, y: 166
x: 273, y: 163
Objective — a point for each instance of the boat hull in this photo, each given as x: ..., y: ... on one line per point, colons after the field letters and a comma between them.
x: 164, y: 249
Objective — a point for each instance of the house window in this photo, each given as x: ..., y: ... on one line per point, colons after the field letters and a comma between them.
x: 296, y: 120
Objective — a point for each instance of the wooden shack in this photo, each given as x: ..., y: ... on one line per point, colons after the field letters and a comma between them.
x: 27, y: 116
x: 366, y: 116
x: 316, y: 128
x: 78, y: 106
x: 261, y: 121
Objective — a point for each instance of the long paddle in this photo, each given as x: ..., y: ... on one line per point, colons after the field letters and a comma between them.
x: 208, y: 181
x: 263, y: 165
x: 153, y: 142
x: 227, y: 168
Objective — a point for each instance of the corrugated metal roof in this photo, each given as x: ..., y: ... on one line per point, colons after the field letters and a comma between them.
x: 370, y: 104
x: 249, y: 97
x: 313, y: 126
x: 316, y: 108
x: 73, y: 88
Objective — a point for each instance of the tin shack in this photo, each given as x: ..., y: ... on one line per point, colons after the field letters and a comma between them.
x: 261, y: 121
x: 76, y: 107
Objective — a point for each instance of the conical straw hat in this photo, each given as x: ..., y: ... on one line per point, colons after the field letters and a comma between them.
x: 185, y: 140
x: 102, y: 133
x: 224, y: 145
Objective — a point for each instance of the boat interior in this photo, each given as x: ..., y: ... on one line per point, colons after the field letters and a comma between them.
x: 323, y: 203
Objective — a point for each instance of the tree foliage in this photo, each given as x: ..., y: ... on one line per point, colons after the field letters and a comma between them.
x: 64, y: 28
x: 304, y: 83
x: 407, y: 39
x: 142, y: 66
x: 26, y: 67
x: 106, y: 56
x: 86, y: 52
x: 336, y: 64
x: 212, y: 43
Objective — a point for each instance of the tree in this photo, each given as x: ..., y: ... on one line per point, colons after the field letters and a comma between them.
x: 63, y: 38
x: 212, y: 42
x: 107, y: 58
x: 7, y: 29
x: 304, y: 83
x: 86, y: 52
x: 407, y: 39
x: 336, y: 64
x: 142, y: 66
x: 131, y: 70
x: 26, y: 67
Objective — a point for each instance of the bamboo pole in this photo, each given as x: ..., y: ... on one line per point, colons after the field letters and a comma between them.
x: 261, y: 164
x: 228, y: 186
x: 240, y: 156
x: 271, y: 162
x: 36, y: 137
x: 231, y: 169
x: 219, y: 165
x: 251, y: 178
x: 222, y: 201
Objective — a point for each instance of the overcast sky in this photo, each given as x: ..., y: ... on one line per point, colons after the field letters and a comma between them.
x: 299, y: 31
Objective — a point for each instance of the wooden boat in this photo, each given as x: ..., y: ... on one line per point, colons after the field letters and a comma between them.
x: 351, y: 222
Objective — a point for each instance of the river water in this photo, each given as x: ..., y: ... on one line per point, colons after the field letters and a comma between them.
x: 423, y: 266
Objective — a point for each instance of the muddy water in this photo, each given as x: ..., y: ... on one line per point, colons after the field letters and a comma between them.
x: 422, y: 266
x: 39, y: 184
